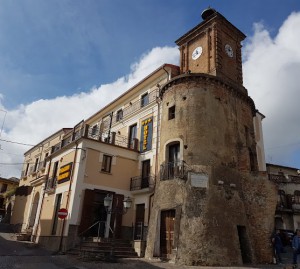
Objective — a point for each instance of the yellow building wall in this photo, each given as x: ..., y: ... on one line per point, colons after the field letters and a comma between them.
x: 20, y: 209
x: 122, y: 170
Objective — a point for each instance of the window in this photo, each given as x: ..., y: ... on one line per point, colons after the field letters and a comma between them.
x: 45, y: 160
x: 132, y: 135
x: 297, y: 197
x: 145, y: 174
x: 281, y: 199
x: 55, y: 169
x: 27, y: 169
x: 3, y: 187
x: 171, y: 113
x: 94, y: 130
x: 36, y: 164
x: 119, y: 115
x: 145, y: 100
x: 106, y: 163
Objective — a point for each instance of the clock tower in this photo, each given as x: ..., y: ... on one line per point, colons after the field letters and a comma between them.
x: 213, y: 47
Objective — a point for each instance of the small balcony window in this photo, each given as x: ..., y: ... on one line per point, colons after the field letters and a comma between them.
x: 145, y: 100
x: 119, y: 115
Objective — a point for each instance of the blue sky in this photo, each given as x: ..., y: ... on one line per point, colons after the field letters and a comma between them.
x: 60, y: 47
x: 62, y: 56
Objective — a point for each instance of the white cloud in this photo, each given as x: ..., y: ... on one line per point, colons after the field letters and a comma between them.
x: 34, y: 122
x: 272, y: 77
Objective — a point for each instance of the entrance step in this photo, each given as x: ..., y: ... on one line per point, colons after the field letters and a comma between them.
x: 103, y: 249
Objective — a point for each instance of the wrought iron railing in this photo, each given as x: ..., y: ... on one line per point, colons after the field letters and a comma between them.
x: 132, y: 107
x: 98, y: 228
x: 278, y: 178
x: 172, y: 170
x: 106, y: 137
x: 139, y: 183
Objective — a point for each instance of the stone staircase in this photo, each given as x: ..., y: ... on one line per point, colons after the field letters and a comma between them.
x: 104, y: 249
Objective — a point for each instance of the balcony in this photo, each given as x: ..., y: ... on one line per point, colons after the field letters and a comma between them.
x: 172, y: 170
x: 142, y: 184
x: 51, y: 185
x: 105, y: 137
x: 278, y: 178
x: 131, y: 108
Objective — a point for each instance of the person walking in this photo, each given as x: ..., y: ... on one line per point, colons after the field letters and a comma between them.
x: 296, y: 247
x: 278, y: 246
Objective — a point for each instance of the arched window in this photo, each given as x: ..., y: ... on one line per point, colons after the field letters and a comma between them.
x: 172, y: 167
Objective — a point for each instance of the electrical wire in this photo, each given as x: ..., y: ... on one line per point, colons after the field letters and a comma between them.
x: 14, y: 142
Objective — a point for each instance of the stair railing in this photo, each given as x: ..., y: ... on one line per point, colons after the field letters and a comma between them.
x: 93, y: 225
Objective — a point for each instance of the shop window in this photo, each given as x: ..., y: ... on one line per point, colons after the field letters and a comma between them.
x: 106, y: 163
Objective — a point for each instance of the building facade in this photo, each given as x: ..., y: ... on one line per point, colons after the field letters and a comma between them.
x: 112, y: 152
x: 185, y: 144
x: 287, y: 182
x: 7, y: 190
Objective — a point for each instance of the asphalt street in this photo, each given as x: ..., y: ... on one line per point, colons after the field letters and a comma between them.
x: 26, y: 255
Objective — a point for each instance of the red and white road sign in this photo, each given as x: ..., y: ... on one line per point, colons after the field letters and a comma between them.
x: 62, y: 213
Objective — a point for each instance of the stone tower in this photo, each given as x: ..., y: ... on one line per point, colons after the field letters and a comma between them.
x: 211, y: 205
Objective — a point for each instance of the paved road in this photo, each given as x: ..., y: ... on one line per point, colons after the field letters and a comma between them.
x: 21, y: 255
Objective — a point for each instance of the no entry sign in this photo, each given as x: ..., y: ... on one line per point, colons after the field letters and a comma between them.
x: 62, y: 213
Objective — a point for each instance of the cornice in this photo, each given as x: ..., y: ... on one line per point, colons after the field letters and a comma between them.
x: 239, y: 91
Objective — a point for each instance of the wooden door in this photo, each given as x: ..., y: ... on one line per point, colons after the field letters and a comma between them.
x: 167, y: 232
x: 87, y: 212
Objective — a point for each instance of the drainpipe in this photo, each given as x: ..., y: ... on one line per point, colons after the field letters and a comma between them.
x: 68, y: 197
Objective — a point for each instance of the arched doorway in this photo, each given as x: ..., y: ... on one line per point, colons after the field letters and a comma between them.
x: 34, y: 209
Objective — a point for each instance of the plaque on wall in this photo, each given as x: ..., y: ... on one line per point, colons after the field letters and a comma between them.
x: 199, y: 180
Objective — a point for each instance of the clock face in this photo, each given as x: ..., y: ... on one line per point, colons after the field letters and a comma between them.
x: 229, y: 50
x: 197, y: 53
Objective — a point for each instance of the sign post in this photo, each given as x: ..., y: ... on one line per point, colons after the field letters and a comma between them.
x: 62, y: 213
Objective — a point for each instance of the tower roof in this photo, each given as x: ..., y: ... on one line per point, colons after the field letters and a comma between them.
x: 209, y: 16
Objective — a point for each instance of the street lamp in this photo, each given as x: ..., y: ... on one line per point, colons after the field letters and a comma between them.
x: 108, y: 206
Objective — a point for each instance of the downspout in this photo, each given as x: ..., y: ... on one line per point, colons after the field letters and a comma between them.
x: 157, y: 135
x: 68, y: 197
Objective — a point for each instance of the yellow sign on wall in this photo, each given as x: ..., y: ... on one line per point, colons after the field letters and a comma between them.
x: 64, y: 173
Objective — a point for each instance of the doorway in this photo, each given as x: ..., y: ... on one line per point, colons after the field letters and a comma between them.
x: 139, y: 222
x: 145, y: 174
x: 244, y: 244
x: 167, y: 222
x: 94, y: 215
x: 34, y: 208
